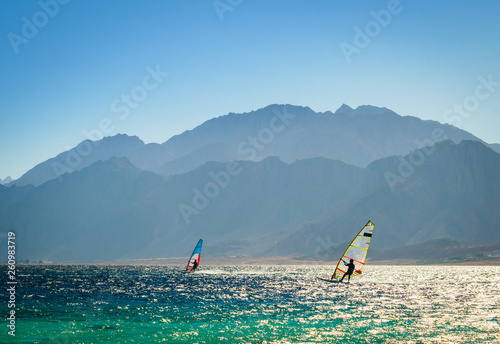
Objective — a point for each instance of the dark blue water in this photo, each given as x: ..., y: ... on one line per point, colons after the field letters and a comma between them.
x: 255, y: 304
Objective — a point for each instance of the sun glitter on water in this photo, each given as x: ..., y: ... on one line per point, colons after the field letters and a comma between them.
x: 256, y: 304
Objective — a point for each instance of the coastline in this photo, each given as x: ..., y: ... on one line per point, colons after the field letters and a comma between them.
x: 267, y: 261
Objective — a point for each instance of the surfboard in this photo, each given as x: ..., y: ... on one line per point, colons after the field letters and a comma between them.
x: 328, y: 280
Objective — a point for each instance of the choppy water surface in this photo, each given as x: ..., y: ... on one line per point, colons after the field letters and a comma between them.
x: 256, y: 304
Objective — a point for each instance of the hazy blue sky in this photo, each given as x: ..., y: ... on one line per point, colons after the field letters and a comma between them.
x: 65, y: 68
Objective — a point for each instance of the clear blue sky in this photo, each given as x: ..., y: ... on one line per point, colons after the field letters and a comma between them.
x: 64, y: 78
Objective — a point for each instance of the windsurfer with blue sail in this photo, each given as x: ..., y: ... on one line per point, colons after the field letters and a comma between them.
x: 194, y: 260
x: 195, y: 265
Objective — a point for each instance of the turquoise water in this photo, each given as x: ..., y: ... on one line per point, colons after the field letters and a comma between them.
x: 255, y: 304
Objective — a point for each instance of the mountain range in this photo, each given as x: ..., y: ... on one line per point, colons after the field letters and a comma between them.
x: 114, y: 210
x: 439, y: 251
x: 5, y: 181
x: 280, y: 181
x: 355, y: 136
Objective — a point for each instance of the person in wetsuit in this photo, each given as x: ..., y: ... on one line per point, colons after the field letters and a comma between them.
x: 350, y: 270
x: 195, y: 265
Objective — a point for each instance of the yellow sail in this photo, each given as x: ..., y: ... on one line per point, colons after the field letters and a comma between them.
x: 356, y: 251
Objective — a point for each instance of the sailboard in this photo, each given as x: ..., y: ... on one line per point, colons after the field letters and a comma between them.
x: 356, y: 251
x: 329, y: 280
x: 194, y: 260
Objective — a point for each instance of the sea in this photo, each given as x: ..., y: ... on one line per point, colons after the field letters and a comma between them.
x: 254, y: 304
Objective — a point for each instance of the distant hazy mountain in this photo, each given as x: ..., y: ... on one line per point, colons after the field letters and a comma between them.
x: 437, y: 249
x: 431, y: 251
x: 453, y: 193
x: 355, y: 136
x: 83, y: 155
x: 218, y: 152
x: 495, y: 147
x: 5, y: 181
x: 113, y: 210
x: 81, y: 216
x: 138, y: 214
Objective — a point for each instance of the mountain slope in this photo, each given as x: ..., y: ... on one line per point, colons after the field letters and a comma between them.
x: 79, y: 216
x: 217, y: 152
x: 113, y: 210
x: 495, y: 147
x: 453, y: 193
x: 136, y: 214
x: 83, y: 155
x: 355, y: 136
x: 5, y: 181
x: 436, y: 249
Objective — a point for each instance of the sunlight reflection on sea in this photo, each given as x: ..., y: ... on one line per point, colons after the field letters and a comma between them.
x: 257, y: 304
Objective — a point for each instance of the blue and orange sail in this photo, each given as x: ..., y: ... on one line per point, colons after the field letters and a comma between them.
x: 195, y: 258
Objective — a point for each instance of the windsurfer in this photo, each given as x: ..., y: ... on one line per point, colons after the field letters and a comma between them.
x: 350, y: 270
x: 195, y: 265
